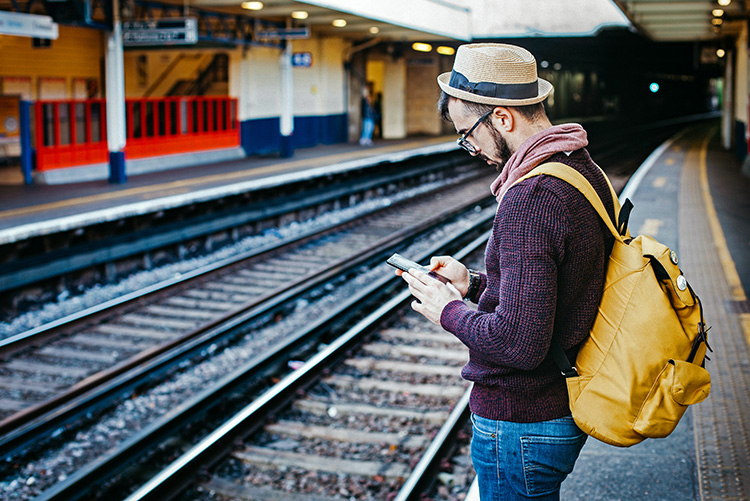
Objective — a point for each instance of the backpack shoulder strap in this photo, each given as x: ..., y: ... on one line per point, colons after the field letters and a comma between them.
x: 578, y: 181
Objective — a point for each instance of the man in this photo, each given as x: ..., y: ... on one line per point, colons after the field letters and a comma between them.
x: 368, y: 118
x: 545, y: 267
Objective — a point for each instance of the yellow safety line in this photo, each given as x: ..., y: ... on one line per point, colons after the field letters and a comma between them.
x: 229, y: 176
x: 720, y: 242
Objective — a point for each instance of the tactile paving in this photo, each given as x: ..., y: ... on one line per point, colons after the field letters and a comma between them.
x: 722, y: 422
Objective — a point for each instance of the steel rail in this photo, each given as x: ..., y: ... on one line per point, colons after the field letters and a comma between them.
x: 253, y: 415
x: 424, y: 472
x: 34, y: 413
x: 181, y: 472
x: 121, y: 246
x: 38, y: 334
x: 66, y: 412
x: 427, y: 467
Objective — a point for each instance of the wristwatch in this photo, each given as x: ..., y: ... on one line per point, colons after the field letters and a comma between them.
x: 475, y: 281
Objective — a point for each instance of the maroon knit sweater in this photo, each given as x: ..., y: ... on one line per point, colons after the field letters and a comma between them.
x: 545, y: 266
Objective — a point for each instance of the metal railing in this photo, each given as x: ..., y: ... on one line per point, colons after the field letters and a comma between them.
x: 73, y: 132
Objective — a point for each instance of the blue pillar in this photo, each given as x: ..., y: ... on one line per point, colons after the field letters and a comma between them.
x: 287, y: 146
x: 117, y: 167
x: 27, y: 152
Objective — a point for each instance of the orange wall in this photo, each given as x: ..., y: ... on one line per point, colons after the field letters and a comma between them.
x: 76, y: 57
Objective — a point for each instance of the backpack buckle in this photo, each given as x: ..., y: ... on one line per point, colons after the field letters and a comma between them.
x: 572, y: 372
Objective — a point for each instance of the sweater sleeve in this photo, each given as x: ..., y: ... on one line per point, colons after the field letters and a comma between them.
x: 530, y: 236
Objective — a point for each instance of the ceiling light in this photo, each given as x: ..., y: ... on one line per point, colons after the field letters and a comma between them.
x: 421, y: 47
x: 720, y: 53
x: 339, y: 23
x: 299, y: 14
x: 724, y: 3
x: 716, y: 21
x: 374, y: 30
x: 252, y: 5
x: 446, y: 51
x: 717, y: 12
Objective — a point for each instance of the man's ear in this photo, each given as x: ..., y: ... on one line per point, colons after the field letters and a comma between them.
x: 503, y: 119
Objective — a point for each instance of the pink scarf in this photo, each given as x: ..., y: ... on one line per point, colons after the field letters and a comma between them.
x: 535, y: 150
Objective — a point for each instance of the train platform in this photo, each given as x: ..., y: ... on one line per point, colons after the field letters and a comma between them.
x: 38, y: 209
x: 691, y: 195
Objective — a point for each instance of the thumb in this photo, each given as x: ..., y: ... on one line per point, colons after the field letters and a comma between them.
x: 437, y: 262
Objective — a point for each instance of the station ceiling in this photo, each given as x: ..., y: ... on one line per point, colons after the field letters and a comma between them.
x: 463, y: 20
x: 321, y: 19
x: 685, y: 20
x: 659, y: 20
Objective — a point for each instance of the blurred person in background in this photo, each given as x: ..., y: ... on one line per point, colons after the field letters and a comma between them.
x: 368, y: 118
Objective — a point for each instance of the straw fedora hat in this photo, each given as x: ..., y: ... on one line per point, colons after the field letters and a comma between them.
x: 495, y: 73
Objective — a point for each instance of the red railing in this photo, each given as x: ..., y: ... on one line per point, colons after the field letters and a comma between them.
x: 171, y: 125
x: 70, y: 133
x: 154, y: 127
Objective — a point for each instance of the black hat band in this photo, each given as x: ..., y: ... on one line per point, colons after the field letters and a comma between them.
x: 498, y: 90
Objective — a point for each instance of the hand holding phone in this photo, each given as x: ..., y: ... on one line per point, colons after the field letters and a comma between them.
x: 404, y: 264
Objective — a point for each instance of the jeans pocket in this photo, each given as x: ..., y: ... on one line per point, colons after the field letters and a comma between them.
x: 483, y: 426
x: 548, y: 460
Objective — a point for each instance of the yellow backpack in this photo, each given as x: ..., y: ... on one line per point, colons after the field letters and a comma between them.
x: 642, y: 364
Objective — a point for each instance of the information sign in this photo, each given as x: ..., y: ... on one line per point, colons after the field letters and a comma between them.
x: 302, y: 59
x: 170, y: 31
x: 285, y: 33
x: 27, y: 25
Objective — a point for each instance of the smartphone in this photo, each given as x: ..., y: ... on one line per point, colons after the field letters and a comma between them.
x: 405, y: 264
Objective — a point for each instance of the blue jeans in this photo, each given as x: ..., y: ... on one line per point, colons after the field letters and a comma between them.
x: 368, y: 125
x: 524, y: 460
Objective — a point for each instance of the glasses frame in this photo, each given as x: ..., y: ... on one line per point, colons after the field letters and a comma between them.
x: 463, y: 141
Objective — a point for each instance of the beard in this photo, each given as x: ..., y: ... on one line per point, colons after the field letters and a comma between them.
x: 502, y: 151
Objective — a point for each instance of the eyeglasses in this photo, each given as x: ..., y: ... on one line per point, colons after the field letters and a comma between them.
x: 463, y: 140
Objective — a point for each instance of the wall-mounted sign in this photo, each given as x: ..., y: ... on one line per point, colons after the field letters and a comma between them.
x: 171, y: 31
x: 302, y: 59
x: 27, y: 25
x: 285, y: 33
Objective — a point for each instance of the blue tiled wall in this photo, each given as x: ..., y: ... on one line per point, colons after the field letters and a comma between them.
x: 263, y: 136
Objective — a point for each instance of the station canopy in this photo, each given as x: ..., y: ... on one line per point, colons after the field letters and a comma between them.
x: 686, y: 20
x: 457, y: 20
x: 413, y: 20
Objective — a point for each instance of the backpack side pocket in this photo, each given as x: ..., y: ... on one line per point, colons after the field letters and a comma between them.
x: 678, y: 385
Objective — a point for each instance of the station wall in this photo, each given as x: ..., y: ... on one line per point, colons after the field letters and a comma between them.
x: 423, y: 92
x: 319, y: 95
x: 394, y: 99
x: 161, y: 73
x: 70, y: 68
x: 410, y: 92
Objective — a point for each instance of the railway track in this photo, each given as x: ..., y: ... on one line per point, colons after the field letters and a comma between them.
x: 54, y: 364
x: 362, y: 244
x: 381, y: 407
x: 360, y: 430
